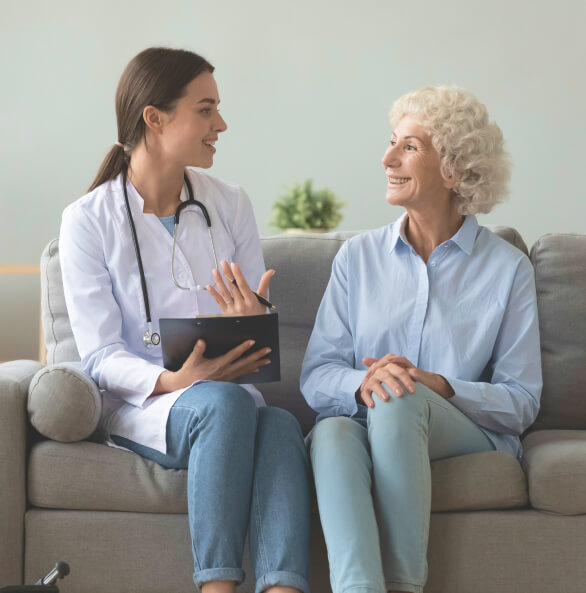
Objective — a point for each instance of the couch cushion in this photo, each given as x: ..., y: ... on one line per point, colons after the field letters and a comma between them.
x: 509, y: 234
x: 560, y: 276
x: 89, y: 476
x: 303, y: 264
x: 481, y: 481
x: 59, y: 340
x: 64, y: 404
x: 555, y: 463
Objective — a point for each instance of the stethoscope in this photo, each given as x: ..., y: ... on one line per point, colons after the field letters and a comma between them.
x: 151, y: 338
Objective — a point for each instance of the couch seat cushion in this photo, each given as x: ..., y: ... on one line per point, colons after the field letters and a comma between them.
x: 481, y: 481
x: 555, y: 463
x: 90, y: 476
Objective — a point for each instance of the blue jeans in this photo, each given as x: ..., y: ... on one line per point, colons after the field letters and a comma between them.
x: 373, y: 482
x: 247, y: 471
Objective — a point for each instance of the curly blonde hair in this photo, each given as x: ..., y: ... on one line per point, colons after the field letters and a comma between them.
x: 471, y: 148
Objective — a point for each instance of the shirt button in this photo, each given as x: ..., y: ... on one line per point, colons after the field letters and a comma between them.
x: 433, y: 264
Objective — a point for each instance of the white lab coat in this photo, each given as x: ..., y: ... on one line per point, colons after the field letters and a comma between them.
x: 104, y: 298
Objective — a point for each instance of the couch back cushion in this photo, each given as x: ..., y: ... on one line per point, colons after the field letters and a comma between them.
x: 61, y: 346
x: 303, y: 264
x: 560, y: 276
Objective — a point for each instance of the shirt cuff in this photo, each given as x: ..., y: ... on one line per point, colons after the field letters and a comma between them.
x: 348, y: 386
x: 467, y: 395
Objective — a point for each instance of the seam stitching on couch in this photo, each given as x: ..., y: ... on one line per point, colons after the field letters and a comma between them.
x: 51, y: 255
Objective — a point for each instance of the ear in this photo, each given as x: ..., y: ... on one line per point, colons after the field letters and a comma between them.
x: 152, y: 118
x: 449, y: 183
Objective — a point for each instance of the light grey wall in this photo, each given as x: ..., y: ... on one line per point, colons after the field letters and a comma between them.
x: 305, y: 88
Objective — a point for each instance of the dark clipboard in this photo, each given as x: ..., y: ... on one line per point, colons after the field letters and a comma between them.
x: 222, y: 333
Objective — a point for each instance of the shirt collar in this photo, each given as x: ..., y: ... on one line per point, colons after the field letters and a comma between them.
x: 464, y: 238
x: 466, y: 235
x: 397, y: 232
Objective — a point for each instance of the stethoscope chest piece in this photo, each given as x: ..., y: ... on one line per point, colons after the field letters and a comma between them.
x: 151, y: 339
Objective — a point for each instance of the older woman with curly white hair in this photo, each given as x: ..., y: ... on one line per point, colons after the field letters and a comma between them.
x: 425, y: 346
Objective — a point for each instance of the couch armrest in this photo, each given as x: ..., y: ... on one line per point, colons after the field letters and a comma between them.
x: 15, y: 378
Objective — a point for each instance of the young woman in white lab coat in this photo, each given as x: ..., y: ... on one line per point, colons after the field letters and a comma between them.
x: 247, y: 467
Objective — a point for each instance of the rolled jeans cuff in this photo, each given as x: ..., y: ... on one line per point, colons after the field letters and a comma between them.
x: 397, y: 586
x: 218, y: 574
x: 283, y: 578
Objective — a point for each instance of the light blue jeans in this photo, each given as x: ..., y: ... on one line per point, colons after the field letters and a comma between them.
x: 373, y: 482
x: 247, y: 471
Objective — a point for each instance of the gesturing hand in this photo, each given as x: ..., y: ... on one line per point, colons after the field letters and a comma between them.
x: 238, y: 299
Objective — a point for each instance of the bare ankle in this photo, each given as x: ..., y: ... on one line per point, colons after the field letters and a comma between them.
x: 219, y: 587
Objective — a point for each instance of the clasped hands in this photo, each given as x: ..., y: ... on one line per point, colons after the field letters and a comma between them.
x: 398, y: 374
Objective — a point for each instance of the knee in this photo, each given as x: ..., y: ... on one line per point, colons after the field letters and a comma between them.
x: 339, y: 450
x: 233, y: 399
x: 400, y: 412
x: 279, y: 437
x: 279, y: 422
x: 217, y: 400
x: 333, y: 437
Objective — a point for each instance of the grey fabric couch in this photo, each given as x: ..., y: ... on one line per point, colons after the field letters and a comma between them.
x: 120, y: 521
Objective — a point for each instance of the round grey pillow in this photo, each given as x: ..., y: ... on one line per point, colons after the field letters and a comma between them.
x: 64, y: 404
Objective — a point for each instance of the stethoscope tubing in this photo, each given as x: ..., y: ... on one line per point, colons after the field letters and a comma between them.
x: 197, y: 286
x: 145, y: 293
x: 149, y: 337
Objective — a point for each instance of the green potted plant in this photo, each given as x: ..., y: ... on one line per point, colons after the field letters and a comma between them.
x: 303, y: 209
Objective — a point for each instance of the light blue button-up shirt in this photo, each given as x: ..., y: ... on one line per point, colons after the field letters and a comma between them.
x: 469, y: 314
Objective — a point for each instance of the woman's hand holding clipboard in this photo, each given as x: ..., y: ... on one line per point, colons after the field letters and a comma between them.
x: 218, y: 348
x: 239, y: 348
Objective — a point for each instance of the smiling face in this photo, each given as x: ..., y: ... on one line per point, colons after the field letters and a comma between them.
x: 188, y: 132
x: 412, y: 166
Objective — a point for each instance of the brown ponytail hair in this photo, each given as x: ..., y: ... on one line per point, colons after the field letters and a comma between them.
x: 157, y: 76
